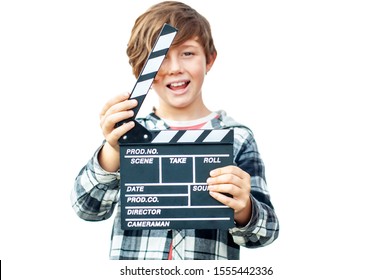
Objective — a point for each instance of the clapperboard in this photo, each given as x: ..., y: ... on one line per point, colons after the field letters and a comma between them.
x: 164, y: 173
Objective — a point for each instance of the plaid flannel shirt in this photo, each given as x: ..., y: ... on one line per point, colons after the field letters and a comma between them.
x: 95, y: 197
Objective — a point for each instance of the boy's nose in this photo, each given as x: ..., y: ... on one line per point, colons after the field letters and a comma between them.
x: 172, y: 65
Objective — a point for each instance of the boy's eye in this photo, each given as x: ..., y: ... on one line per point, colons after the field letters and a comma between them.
x: 188, y: 53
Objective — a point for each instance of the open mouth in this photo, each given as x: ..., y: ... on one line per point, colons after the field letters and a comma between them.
x: 178, y: 85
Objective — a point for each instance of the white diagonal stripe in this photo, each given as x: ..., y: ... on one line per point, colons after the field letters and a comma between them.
x: 216, y: 135
x: 142, y: 88
x: 164, y: 136
x: 164, y: 41
x: 153, y: 65
x: 190, y: 136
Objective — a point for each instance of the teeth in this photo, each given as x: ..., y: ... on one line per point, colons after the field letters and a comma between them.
x: 177, y: 84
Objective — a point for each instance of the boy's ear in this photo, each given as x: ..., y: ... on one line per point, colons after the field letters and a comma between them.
x: 211, y: 61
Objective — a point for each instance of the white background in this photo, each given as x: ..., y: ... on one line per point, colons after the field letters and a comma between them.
x: 311, y: 78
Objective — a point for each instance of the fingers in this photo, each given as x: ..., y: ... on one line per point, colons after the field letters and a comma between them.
x: 108, y: 122
x: 229, y: 175
x: 113, y: 101
x: 118, y: 104
x: 237, y: 204
x: 112, y: 136
x: 117, y: 109
x: 233, y: 181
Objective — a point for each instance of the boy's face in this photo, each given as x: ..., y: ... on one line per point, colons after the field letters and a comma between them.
x: 179, y: 81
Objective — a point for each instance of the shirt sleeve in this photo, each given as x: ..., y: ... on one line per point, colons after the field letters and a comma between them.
x: 95, y: 192
x: 263, y: 227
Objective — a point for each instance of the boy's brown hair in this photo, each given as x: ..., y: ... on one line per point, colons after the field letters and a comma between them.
x: 189, y: 22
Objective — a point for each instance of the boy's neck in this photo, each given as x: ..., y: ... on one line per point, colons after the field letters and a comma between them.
x: 179, y: 114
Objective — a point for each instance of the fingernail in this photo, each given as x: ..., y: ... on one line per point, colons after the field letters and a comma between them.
x: 213, y: 194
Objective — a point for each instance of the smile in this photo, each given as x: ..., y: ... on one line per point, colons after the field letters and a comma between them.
x: 178, y: 85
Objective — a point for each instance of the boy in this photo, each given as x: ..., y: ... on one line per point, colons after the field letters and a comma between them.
x: 178, y: 85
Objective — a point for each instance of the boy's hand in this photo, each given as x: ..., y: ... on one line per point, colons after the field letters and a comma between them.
x: 236, y: 182
x: 115, y: 110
